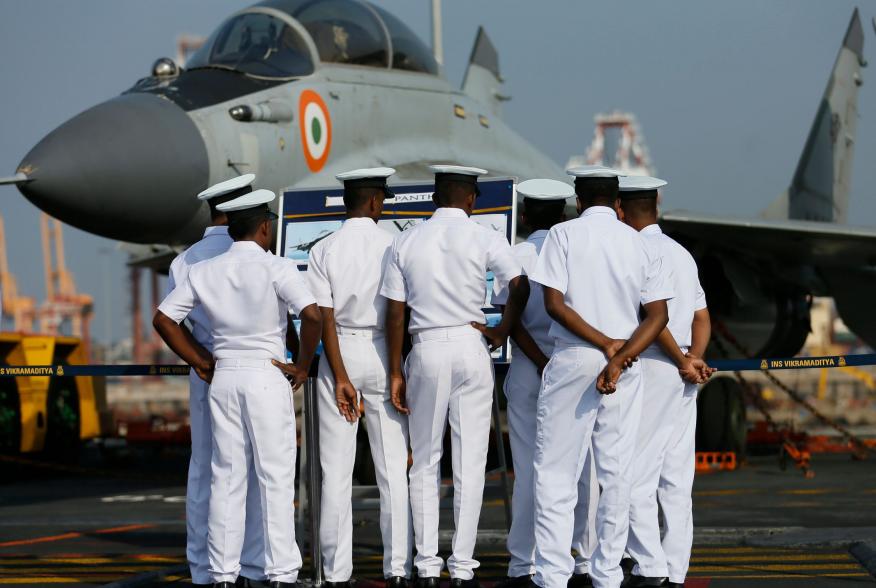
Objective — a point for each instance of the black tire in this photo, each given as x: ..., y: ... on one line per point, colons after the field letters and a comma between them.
x: 721, y: 424
x: 10, y: 416
x: 62, y: 417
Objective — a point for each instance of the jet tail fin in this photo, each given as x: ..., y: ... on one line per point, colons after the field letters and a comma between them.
x: 819, y: 190
x: 482, y: 79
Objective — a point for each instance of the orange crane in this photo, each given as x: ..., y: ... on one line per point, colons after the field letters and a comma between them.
x: 64, y: 305
x: 22, y: 309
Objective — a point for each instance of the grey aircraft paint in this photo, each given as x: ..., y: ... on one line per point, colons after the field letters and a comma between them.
x: 375, y: 117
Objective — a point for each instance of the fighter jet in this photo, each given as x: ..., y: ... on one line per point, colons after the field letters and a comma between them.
x: 294, y: 91
x: 298, y: 90
x: 760, y: 274
x: 306, y: 246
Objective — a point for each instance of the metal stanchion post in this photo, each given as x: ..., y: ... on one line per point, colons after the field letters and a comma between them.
x: 503, y: 462
x: 314, y: 477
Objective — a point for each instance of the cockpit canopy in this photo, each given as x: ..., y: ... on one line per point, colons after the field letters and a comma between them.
x: 261, y: 43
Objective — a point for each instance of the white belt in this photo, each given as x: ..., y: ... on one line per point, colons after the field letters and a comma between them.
x: 445, y: 334
x: 580, y: 344
x: 224, y: 364
x: 656, y: 352
x: 366, y: 332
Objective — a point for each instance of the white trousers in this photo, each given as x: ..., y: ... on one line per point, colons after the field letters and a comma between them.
x: 572, y: 414
x: 252, y: 560
x: 252, y: 413
x: 664, y: 467
x: 522, y: 386
x: 364, y: 356
x: 584, y: 533
x: 449, y: 377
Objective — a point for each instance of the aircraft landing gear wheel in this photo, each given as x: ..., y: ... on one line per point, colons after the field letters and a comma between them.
x: 10, y: 416
x: 62, y: 412
x: 721, y: 417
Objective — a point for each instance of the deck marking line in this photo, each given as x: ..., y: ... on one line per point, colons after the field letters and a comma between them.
x: 74, y: 535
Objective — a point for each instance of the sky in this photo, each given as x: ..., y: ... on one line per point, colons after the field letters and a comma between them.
x: 724, y: 92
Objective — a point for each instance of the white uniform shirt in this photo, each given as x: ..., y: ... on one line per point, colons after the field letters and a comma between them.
x: 245, y: 294
x: 345, y: 270
x: 215, y: 242
x: 534, y: 318
x: 689, y: 296
x: 439, y: 268
x: 605, y: 271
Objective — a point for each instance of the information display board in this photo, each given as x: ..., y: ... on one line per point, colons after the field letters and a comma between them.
x: 309, y: 215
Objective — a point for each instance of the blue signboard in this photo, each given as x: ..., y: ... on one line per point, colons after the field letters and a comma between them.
x: 309, y: 215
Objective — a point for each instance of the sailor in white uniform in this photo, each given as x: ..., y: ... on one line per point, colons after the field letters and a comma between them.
x: 215, y: 242
x: 438, y: 269
x: 344, y: 274
x: 544, y: 203
x: 246, y: 294
x: 596, y: 274
x: 671, y: 369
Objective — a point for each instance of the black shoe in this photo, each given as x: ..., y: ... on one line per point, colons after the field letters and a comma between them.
x: 279, y: 584
x: 460, y: 583
x: 642, y: 581
x: 674, y: 585
x: 428, y: 582
x: 514, y: 582
x: 396, y: 582
x: 337, y: 584
x: 580, y: 581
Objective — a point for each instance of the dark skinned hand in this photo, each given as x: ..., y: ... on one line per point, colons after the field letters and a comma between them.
x: 398, y: 394
x: 293, y: 373
x: 347, y: 400
x: 606, y: 382
x: 611, y: 349
x: 204, y: 370
x: 494, y: 336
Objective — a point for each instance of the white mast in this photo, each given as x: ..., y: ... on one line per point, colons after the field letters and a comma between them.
x: 437, y: 43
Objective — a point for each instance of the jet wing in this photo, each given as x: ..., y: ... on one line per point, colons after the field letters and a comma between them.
x: 826, y: 245
x: 157, y: 257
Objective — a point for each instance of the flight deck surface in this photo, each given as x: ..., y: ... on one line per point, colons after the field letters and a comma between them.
x: 122, y: 521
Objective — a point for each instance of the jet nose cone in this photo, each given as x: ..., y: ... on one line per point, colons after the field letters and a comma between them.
x: 127, y: 169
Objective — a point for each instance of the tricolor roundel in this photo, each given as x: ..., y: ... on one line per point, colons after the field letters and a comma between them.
x: 316, y: 129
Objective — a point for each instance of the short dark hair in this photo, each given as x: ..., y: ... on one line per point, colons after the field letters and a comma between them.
x: 222, y: 198
x: 246, y: 226
x: 355, y: 198
x: 638, y: 207
x: 543, y: 214
x: 601, y: 190
x: 449, y: 192
x: 214, y: 202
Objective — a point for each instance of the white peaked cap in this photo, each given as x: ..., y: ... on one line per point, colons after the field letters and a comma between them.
x: 365, y: 172
x: 543, y: 189
x: 594, y: 171
x: 638, y: 183
x: 457, y: 169
x: 227, y: 186
x: 251, y: 200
